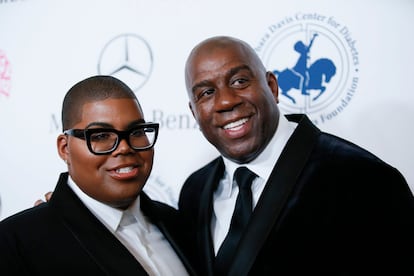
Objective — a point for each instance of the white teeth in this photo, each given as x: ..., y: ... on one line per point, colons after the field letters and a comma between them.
x: 236, y: 123
x: 124, y: 170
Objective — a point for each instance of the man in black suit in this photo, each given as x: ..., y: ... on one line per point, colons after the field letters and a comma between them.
x: 98, y: 222
x: 321, y: 205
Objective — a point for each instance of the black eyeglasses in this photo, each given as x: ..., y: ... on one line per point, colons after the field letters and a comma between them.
x: 105, y: 140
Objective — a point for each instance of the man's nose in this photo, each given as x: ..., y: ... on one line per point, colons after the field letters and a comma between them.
x: 227, y: 98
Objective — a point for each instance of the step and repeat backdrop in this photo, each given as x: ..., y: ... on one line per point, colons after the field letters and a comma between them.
x: 359, y: 61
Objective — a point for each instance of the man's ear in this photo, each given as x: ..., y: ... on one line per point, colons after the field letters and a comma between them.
x: 62, y: 147
x: 272, y: 83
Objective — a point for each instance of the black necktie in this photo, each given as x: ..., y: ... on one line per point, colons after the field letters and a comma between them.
x: 242, y: 211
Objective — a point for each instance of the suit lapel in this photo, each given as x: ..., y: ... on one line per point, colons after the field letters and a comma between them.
x: 92, y: 235
x: 205, y: 215
x: 276, y: 193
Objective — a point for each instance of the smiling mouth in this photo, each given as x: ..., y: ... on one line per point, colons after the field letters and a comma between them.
x: 125, y: 170
x: 235, y: 125
x: 125, y: 173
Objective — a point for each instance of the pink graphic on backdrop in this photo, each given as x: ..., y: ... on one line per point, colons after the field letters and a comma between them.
x: 5, y: 75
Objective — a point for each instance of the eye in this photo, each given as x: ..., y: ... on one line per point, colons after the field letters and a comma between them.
x: 102, y: 136
x: 208, y: 92
x: 204, y: 93
x: 138, y: 132
x: 240, y: 82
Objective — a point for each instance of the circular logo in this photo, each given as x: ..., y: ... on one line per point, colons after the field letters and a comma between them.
x: 5, y: 75
x: 127, y: 57
x: 316, y: 64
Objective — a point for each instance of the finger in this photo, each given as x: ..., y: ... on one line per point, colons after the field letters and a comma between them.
x: 38, y: 202
x: 48, y: 196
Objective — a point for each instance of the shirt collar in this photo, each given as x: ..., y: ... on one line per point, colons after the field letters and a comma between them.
x: 109, y: 216
x: 141, y: 219
x: 265, y: 162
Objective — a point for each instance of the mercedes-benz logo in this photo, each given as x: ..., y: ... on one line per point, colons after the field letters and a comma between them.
x: 127, y: 57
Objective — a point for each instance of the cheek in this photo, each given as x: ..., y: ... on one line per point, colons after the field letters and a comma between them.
x: 82, y: 164
x: 266, y: 103
x: 148, y: 156
x: 203, y: 113
x: 80, y: 154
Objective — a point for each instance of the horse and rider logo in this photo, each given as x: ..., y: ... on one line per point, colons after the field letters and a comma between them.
x: 316, y: 65
x: 303, y: 76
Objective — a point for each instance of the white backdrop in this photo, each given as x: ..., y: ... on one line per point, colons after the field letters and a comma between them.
x: 46, y: 46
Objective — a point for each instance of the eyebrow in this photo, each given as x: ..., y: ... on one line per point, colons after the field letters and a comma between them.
x: 107, y: 125
x: 135, y: 123
x: 237, y: 69
x: 200, y: 84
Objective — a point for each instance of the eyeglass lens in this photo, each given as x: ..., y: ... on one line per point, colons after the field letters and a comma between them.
x: 139, y: 138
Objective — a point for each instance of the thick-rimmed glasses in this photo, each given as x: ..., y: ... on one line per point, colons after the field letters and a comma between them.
x: 105, y: 140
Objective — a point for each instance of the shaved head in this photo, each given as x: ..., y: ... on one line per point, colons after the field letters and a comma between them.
x: 92, y: 89
x: 212, y: 44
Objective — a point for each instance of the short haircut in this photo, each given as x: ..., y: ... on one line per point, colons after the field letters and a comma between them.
x: 92, y: 89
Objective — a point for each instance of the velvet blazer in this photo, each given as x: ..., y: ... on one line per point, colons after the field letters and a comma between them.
x: 62, y: 237
x: 329, y: 207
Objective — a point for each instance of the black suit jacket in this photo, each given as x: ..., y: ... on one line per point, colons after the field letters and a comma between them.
x: 328, y: 208
x: 62, y: 237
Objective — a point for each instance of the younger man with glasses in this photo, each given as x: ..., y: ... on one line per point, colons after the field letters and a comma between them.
x: 98, y: 222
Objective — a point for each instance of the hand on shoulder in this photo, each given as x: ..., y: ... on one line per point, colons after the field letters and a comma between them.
x: 48, y: 195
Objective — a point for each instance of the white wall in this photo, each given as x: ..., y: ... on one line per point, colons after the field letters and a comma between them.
x: 46, y: 46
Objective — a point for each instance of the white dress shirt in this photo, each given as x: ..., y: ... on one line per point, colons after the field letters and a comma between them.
x: 143, y: 239
x: 226, y: 194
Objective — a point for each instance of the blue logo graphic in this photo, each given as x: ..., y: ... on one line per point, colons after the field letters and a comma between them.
x: 316, y: 64
x: 303, y: 76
